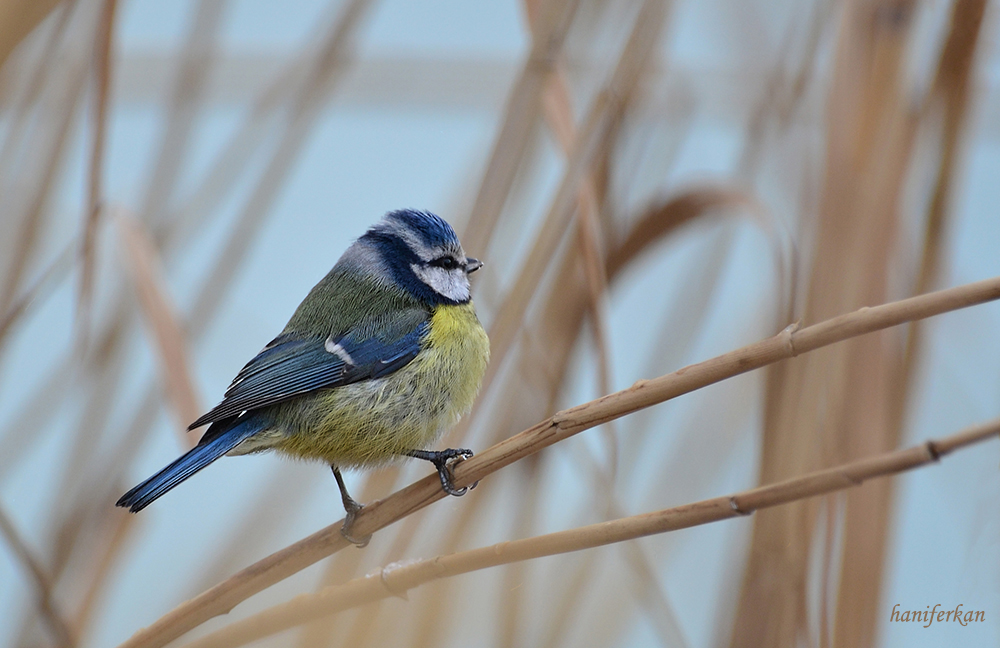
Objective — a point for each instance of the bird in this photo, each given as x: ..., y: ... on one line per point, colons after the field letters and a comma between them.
x: 383, y: 355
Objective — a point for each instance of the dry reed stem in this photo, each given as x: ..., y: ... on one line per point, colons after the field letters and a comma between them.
x: 100, y: 378
x: 33, y: 414
x: 318, y: 85
x: 70, y: 518
x: 543, y: 360
x: 150, y: 403
x: 95, y: 181
x: 789, y: 343
x: 398, y: 579
x: 600, y: 121
x: 651, y: 596
x: 345, y: 565
x: 207, y: 197
x: 600, y: 118
x: 867, y: 512
x: 18, y: 18
x: 144, y: 409
x: 43, y: 582
x: 861, y: 579
x: 520, y: 113
x: 227, y: 167
x: 238, y: 153
x: 196, y: 57
x: 24, y: 110
x: 558, y: 115
x: 682, y: 208
x: 510, y: 589
x: 206, y: 296
x: 780, y: 99
x: 648, y: 593
x: 161, y: 317
x: 564, y: 612
x: 951, y: 87
x: 245, y: 228
x: 41, y: 170
x: 688, y: 205
x: 273, y: 510
x: 360, y: 633
x: 105, y: 562
x: 18, y: 130
x: 232, y: 161
x: 697, y: 284
x: 320, y: 81
x: 79, y: 540
x: 842, y: 393
x: 39, y: 289
x: 826, y: 576
x: 206, y: 300
x: 466, y: 518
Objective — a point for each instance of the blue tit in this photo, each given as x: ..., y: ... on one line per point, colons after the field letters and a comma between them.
x: 382, y: 356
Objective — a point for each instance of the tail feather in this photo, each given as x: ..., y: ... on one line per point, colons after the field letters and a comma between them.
x: 217, y: 444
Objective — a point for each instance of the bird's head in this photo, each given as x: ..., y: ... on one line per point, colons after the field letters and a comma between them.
x: 421, y: 253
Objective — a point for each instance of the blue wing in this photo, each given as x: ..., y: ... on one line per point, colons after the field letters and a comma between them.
x: 292, y: 365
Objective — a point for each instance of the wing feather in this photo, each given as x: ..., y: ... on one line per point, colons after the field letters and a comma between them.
x: 292, y: 365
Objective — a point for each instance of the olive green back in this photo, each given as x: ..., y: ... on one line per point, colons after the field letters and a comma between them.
x: 347, y: 302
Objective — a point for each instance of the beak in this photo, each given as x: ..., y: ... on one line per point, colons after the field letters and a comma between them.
x: 471, y: 265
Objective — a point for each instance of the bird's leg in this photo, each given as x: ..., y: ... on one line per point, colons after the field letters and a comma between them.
x: 352, y: 508
x: 442, y: 460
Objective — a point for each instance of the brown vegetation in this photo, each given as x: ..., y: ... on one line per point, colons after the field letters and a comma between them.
x: 847, y: 170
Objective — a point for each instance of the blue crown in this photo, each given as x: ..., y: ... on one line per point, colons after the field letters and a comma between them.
x: 433, y: 230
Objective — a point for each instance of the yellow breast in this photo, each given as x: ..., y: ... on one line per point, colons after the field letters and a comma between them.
x: 374, y: 421
x: 456, y: 352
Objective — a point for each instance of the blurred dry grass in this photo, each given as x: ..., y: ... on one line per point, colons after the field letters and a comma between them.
x: 841, y: 104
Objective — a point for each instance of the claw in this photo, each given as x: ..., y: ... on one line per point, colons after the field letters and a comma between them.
x: 345, y: 530
x: 443, y: 460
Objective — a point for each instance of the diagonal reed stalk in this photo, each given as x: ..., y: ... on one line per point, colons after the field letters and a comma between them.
x: 790, y: 343
x: 161, y: 317
x: 558, y: 114
x: 18, y: 19
x: 519, y: 117
x: 842, y: 393
x: 197, y: 56
x: 398, y: 580
x: 70, y: 527
x: 95, y: 183
x: 603, y: 113
x: 33, y: 178
x: 52, y: 617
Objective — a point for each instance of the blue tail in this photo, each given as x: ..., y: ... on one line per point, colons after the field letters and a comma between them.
x: 213, y: 445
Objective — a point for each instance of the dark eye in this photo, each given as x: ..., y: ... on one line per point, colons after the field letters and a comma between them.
x: 446, y: 262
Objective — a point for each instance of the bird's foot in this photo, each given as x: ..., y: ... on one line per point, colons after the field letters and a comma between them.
x: 443, y: 460
x: 352, y: 509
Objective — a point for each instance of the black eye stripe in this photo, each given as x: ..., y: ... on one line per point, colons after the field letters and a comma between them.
x: 446, y: 262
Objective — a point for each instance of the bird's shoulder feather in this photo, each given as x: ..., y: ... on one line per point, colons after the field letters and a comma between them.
x: 319, y: 348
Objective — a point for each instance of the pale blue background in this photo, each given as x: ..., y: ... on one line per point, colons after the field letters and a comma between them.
x: 363, y: 159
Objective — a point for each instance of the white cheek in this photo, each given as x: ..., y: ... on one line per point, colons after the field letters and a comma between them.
x: 453, y: 284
